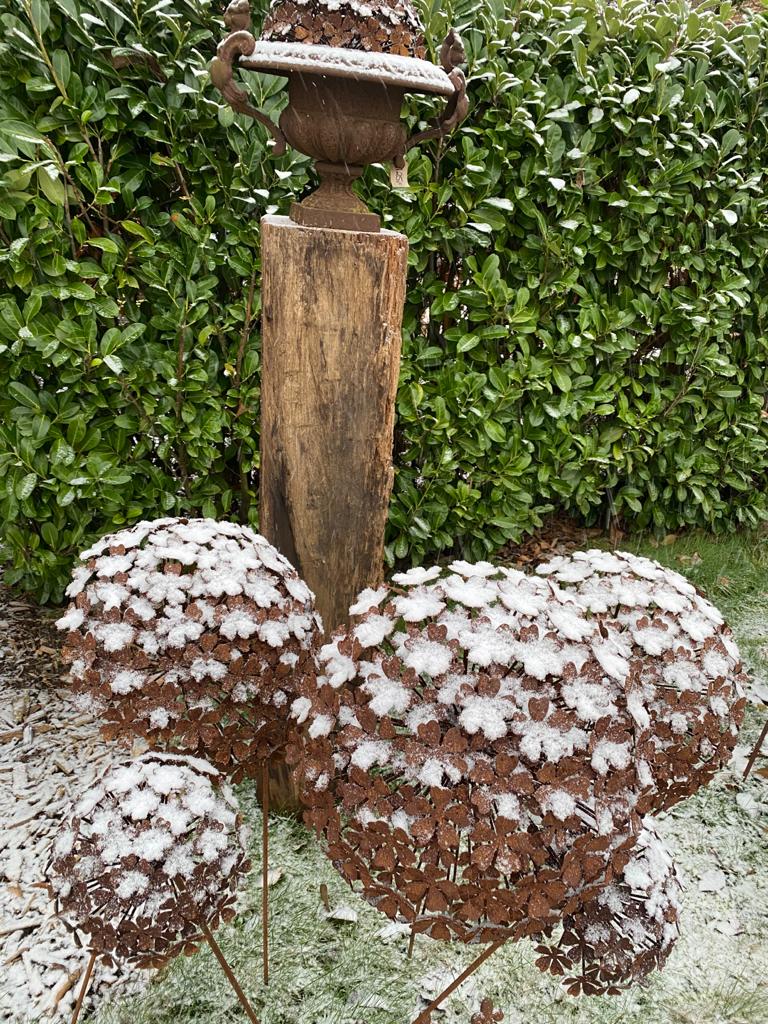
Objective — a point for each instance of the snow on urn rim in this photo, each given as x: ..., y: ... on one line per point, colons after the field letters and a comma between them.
x: 410, y: 73
x: 481, y: 745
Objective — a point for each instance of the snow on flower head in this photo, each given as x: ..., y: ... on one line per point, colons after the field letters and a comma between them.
x: 510, y: 728
x: 655, y: 632
x: 628, y: 931
x: 368, y: 599
x: 134, y: 843
x: 470, y: 569
x: 177, y: 615
x: 416, y: 576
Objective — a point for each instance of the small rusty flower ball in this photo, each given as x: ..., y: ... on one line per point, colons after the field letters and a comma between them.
x: 625, y: 933
x: 152, y: 849
x: 462, y: 755
x: 192, y: 634
x: 675, y: 658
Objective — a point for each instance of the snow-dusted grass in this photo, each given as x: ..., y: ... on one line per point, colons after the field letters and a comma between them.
x: 331, y: 971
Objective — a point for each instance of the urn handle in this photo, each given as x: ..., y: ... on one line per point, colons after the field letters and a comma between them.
x: 240, y: 43
x: 452, y: 54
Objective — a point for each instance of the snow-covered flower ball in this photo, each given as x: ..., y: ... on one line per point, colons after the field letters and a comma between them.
x: 480, y: 744
x: 463, y: 755
x: 194, y: 634
x: 628, y: 931
x: 152, y: 849
x: 669, y: 657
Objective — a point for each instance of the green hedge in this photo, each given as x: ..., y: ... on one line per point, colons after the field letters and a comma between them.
x: 586, y: 318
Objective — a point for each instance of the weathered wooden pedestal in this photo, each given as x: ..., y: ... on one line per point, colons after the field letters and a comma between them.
x: 332, y: 308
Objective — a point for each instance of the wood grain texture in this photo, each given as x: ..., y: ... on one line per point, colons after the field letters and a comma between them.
x: 332, y: 307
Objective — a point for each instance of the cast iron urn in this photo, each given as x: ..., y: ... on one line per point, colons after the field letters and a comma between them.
x: 349, y: 65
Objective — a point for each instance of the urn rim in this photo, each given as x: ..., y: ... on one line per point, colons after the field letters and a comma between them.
x: 410, y: 73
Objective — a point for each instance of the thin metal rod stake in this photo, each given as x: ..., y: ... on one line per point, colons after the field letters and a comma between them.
x: 413, y: 924
x: 265, y: 868
x: 424, y: 1016
x: 228, y: 971
x: 84, y: 988
x: 755, y: 750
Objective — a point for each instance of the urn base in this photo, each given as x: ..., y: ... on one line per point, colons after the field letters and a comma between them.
x: 334, y: 204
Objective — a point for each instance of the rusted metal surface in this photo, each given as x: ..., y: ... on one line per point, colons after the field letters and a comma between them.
x: 153, y: 849
x: 391, y: 28
x: 343, y: 125
x: 452, y: 56
x: 482, y: 746
x: 240, y: 43
x: 229, y: 974
x: 425, y: 1017
x: 624, y: 934
x: 191, y: 635
x: 349, y: 67
x: 84, y: 988
x: 487, y: 1014
x: 265, y: 872
x: 755, y: 751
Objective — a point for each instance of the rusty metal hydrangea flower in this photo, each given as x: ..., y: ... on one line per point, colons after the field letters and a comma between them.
x: 154, y: 851
x: 394, y: 27
x: 677, y: 661
x: 192, y: 634
x: 627, y: 931
x: 480, y: 744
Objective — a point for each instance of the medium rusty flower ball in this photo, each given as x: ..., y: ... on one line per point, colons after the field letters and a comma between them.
x: 675, y: 658
x: 463, y: 759
x: 194, y: 635
x: 152, y: 849
x: 625, y: 933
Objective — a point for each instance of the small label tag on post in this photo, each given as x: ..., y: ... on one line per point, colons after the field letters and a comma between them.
x: 398, y: 176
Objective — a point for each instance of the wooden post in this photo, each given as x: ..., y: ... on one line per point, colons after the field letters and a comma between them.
x: 332, y: 309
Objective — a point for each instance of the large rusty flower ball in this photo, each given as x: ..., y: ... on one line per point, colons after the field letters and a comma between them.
x: 193, y: 634
x: 479, y: 744
x: 451, y: 756
x: 674, y: 657
x: 153, y: 849
x: 625, y: 933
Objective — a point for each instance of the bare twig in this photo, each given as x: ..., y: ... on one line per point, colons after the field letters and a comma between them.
x: 245, y: 496
x: 245, y: 334
x: 64, y: 987
x: 181, y: 180
x: 181, y: 451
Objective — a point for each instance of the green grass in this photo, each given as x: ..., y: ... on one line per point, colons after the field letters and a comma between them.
x: 326, y: 972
